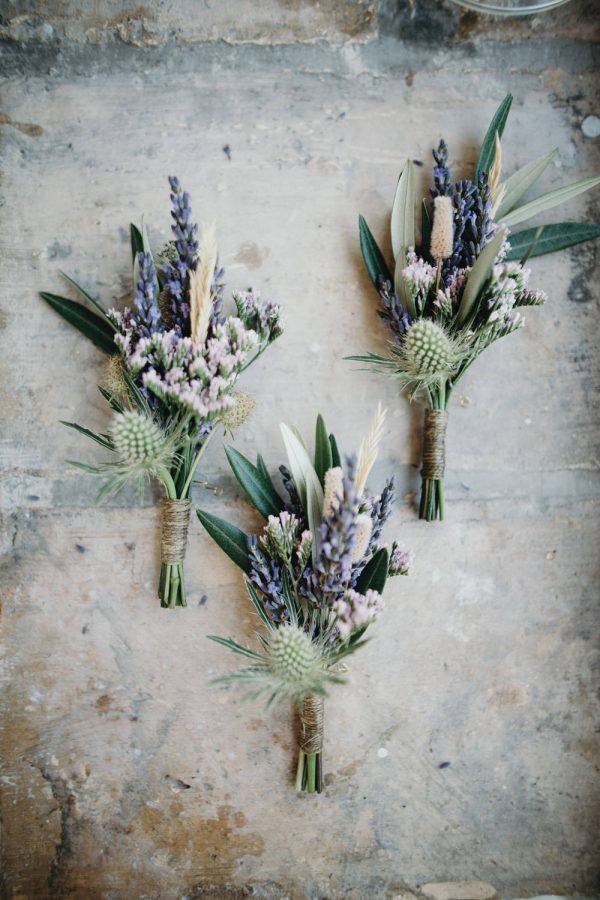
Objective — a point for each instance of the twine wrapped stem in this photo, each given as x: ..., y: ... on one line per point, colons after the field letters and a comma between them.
x: 310, y: 768
x: 311, y: 721
x: 175, y: 523
x: 434, y: 444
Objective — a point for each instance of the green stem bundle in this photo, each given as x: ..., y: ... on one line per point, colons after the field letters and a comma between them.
x: 178, y: 487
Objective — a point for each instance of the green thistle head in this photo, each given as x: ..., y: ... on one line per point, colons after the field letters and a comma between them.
x: 140, y: 442
x: 429, y: 351
x: 294, y: 660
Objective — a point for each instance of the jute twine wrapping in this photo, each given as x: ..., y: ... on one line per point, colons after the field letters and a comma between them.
x: 311, y: 721
x: 434, y: 444
x: 175, y: 522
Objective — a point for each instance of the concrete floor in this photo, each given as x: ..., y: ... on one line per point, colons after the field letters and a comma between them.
x: 125, y: 773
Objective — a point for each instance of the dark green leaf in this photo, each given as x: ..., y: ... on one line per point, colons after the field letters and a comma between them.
x: 323, y: 458
x: 259, y: 489
x: 488, y: 148
x: 118, y: 407
x: 260, y: 465
x: 425, y: 230
x: 87, y: 296
x: 356, y: 635
x: 336, y: 459
x: 372, y: 255
x: 233, y: 541
x: 100, y: 439
x: 137, y: 241
x: 550, y: 238
x: 92, y: 326
x: 374, y: 575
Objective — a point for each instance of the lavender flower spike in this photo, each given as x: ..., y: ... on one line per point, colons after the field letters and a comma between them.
x: 186, y: 244
x: 146, y: 297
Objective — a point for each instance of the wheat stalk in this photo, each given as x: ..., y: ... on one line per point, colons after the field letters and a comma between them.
x: 497, y: 188
x: 201, y: 279
x: 369, y: 448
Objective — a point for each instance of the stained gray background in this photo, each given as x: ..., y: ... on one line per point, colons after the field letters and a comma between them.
x: 127, y: 775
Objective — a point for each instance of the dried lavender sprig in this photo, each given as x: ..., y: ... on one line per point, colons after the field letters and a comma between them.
x: 381, y: 510
x: 337, y: 536
x: 473, y: 225
x: 393, y: 312
x: 441, y: 172
x: 217, y: 290
x: 186, y: 244
x: 146, y: 297
x: 184, y: 231
x: 266, y: 575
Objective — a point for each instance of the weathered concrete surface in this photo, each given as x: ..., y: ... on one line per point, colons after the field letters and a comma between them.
x: 189, y: 21
x: 125, y: 774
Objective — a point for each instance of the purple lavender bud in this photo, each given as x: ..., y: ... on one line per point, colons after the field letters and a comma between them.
x: 441, y: 172
x: 393, y: 312
x: 177, y: 278
x: 381, y: 510
x: 146, y: 297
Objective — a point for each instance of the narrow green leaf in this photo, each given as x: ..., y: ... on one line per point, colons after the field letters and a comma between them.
x: 137, y: 241
x: 336, y: 459
x: 522, y: 180
x: 145, y: 239
x: 402, y: 222
x: 233, y: 541
x: 87, y: 296
x: 314, y: 511
x: 109, y: 487
x: 478, y: 275
x: 94, y: 470
x: 487, y: 154
x: 322, y: 450
x: 233, y: 645
x: 258, y: 605
x: 372, y: 255
x: 115, y: 404
x: 260, y: 491
x: 374, y: 575
x: 548, y: 201
x: 550, y: 238
x: 402, y: 292
x: 88, y: 323
x: 306, y: 482
x: 135, y: 393
x: 425, y: 230
x: 104, y: 442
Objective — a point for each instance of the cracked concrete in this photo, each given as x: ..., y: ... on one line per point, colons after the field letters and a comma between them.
x: 465, y: 746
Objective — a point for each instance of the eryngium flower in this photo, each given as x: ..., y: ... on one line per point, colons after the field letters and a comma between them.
x: 294, y: 660
x: 429, y: 351
x: 140, y: 443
